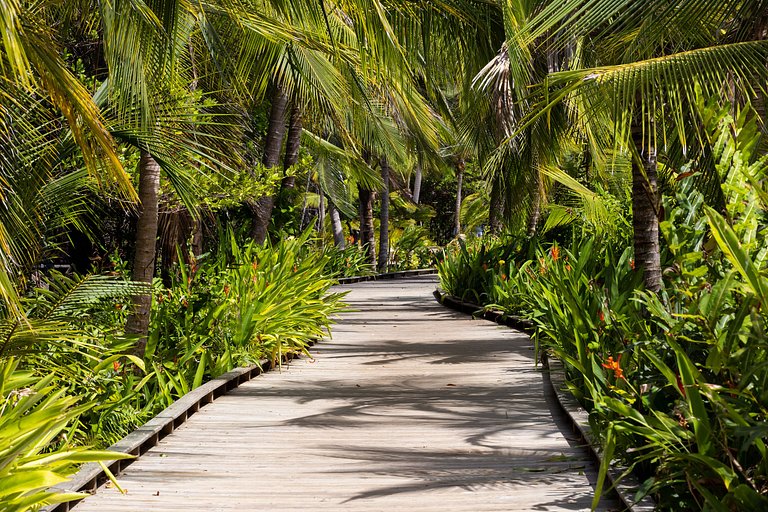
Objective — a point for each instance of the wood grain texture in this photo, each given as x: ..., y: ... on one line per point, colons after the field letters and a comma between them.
x: 409, y: 407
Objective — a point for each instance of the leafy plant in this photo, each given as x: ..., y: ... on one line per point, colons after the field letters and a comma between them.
x: 246, y: 303
x: 35, y: 452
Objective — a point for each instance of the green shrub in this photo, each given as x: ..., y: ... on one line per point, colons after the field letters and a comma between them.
x: 35, y: 452
x: 247, y: 303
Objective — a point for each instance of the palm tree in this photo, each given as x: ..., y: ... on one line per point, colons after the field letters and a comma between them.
x: 642, y: 73
x: 33, y: 72
x: 384, y: 219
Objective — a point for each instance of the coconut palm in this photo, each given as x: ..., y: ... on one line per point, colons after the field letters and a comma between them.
x: 642, y: 74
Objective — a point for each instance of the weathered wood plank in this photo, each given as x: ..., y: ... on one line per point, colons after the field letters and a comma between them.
x: 408, y: 407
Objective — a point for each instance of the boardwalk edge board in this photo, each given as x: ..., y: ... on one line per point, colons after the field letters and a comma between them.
x: 628, y: 486
x: 92, y: 475
x: 388, y: 275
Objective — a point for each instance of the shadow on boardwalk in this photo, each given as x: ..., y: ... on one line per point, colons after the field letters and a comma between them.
x: 408, y: 407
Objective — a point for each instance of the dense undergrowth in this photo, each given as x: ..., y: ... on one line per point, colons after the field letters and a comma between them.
x: 676, y: 383
x: 70, y: 378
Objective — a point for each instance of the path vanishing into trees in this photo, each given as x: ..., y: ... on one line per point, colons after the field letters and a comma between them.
x: 410, y: 407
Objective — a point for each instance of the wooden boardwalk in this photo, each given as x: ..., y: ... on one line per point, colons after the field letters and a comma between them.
x: 410, y: 407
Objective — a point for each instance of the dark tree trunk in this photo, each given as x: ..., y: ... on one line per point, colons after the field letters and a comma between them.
x: 496, y: 209
x: 146, y: 247
x: 367, y: 235
x: 384, y: 219
x: 460, y: 181
x: 273, y: 143
x: 338, y: 229
x: 533, y: 220
x: 417, y: 182
x: 645, y: 207
x: 197, y: 236
x: 292, y: 144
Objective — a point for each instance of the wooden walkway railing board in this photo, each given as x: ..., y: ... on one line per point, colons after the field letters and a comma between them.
x: 409, y: 407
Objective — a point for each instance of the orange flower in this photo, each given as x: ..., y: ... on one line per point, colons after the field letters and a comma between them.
x: 555, y: 253
x: 632, y: 264
x: 568, y: 267
x: 614, y: 365
x: 115, y: 365
x: 226, y: 289
x: 503, y: 277
x: 601, y: 315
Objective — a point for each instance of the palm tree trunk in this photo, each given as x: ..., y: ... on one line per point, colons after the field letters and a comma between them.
x: 338, y: 229
x: 496, y: 209
x: 197, y: 236
x: 645, y: 207
x: 146, y: 247
x: 460, y: 180
x: 273, y: 143
x: 321, y: 216
x: 367, y: 235
x: 417, y: 182
x: 533, y: 220
x: 292, y: 144
x: 384, y: 219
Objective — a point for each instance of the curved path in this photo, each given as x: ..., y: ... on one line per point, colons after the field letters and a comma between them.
x: 410, y: 407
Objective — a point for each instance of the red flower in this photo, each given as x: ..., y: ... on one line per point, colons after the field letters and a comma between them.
x: 601, y: 315
x: 632, y: 264
x: 614, y: 365
x: 680, y: 385
x: 555, y: 252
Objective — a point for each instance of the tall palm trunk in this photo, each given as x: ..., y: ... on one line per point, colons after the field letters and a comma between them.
x: 146, y: 246
x: 533, y: 220
x: 197, y: 236
x: 262, y: 207
x: 367, y: 235
x: 417, y: 182
x: 338, y: 229
x: 292, y: 144
x: 384, y: 218
x: 645, y: 207
x: 496, y: 209
x: 321, y: 215
x: 460, y: 181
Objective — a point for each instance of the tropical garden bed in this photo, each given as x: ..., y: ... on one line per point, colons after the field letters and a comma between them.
x: 674, y: 381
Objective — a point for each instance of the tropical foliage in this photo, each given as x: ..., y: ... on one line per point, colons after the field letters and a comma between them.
x: 181, y: 182
x: 674, y: 382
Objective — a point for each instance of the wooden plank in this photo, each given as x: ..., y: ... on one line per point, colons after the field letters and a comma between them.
x: 409, y: 407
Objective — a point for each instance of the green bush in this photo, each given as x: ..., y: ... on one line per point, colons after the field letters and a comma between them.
x: 247, y: 303
x: 347, y: 262
x: 35, y: 453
